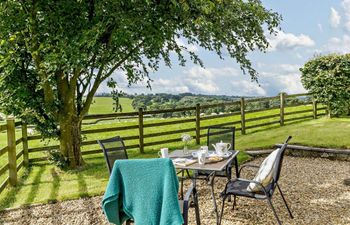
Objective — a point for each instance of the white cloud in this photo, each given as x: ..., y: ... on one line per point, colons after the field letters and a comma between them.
x: 273, y: 79
x: 283, y: 41
x: 334, y: 18
x: 244, y: 87
x: 207, y: 80
x: 288, y: 68
x: 299, y: 56
x: 337, y: 45
x: 169, y: 86
x: 320, y: 27
x: 276, y: 78
x: 291, y: 83
x: 346, y: 7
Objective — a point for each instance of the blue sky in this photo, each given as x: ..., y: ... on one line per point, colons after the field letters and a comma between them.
x: 308, y: 28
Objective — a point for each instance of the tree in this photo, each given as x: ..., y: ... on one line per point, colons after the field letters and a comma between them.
x: 55, y: 54
x: 328, y: 79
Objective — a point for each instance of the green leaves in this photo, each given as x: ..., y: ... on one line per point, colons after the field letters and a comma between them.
x: 56, y: 53
x: 328, y: 78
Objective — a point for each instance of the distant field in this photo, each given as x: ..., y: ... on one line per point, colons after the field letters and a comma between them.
x: 105, y: 105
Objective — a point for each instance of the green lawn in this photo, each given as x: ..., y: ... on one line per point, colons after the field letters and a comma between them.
x: 105, y: 105
x: 150, y: 150
x: 45, y: 183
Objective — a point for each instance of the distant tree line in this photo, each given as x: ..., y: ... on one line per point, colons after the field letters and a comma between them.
x: 170, y: 101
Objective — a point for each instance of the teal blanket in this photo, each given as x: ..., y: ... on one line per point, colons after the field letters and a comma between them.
x: 144, y: 190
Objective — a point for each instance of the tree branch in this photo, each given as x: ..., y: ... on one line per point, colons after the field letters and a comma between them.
x: 90, y: 95
x: 122, y: 60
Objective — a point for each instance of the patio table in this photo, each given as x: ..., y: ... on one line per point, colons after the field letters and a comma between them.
x: 213, y: 167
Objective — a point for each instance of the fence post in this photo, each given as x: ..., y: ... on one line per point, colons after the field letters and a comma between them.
x: 242, y: 116
x: 314, y: 108
x: 328, y: 111
x: 11, y: 148
x: 198, y: 124
x: 25, y: 143
x: 282, y: 102
x: 141, y: 130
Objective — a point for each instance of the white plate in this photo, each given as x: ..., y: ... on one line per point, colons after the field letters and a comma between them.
x: 195, y: 154
x: 213, y: 153
x: 226, y: 155
x: 180, y: 160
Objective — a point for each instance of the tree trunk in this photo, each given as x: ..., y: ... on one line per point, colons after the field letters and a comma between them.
x: 70, y: 140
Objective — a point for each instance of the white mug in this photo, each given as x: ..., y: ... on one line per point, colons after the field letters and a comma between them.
x: 205, y: 149
x: 201, y: 157
x: 163, y: 153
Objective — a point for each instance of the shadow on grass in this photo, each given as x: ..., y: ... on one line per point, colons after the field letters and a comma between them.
x: 12, y: 193
x: 35, y: 187
x: 55, y: 186
x: 83, y: 192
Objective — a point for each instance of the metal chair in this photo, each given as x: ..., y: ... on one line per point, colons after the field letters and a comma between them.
x: 189, y: 200
x: 113, y: 149
x: 238, y: 186
x: 226, y: 134
x: 216, y: 134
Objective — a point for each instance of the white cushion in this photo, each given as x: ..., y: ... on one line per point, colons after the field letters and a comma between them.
x: 265, y: 172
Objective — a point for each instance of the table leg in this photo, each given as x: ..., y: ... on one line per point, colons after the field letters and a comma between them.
x: 236, y: 167
x: 211, y: 184
x: 237, y: 176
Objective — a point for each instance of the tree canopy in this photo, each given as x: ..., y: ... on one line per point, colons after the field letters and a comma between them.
x: 328, y: 79
x: 55, y: 54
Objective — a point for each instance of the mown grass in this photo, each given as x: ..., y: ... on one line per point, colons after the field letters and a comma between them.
x: 102, y: 105
x: 150, y: 151
x: 46, y: 183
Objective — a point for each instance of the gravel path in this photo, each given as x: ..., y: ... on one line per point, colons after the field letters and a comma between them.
x: 313, y: 187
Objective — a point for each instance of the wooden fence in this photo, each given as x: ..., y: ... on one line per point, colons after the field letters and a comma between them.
x: 16, y: 158
x: 194, y: 124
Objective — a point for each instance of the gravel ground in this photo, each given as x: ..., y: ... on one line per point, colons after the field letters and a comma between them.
x: 313, y: 187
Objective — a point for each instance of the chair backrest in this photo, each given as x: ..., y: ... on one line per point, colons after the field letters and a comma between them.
x: 279, y: 160
x: 217, y: 134
x: 147, y: 188
x: 113, y: 149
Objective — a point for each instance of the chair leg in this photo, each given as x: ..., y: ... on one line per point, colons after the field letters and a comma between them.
x: 229, y: 176
x: 222, y: 209
x: 274, y: 211
x: 182, y: 184
x: 285, y: 202
x: 234, y: 202
x: 196, y: 208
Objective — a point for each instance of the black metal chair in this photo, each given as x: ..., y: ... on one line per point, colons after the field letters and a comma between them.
x: 189, y: 200
x: 226, y: 134
x: 238, y: 186
x: 113, y: 149
x: 216, y: 134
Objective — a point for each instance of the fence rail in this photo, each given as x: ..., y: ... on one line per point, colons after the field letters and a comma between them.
x: 12, y: 167
x: 145, y: 132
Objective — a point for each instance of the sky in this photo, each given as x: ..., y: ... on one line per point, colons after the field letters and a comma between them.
x: 308, y: 28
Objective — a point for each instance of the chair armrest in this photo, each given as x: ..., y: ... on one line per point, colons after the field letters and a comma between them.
x: 255, y: 182
x: 189, y: 192
x: 247, y: 165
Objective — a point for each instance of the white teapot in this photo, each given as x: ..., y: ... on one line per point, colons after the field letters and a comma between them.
x: 221, y: 148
